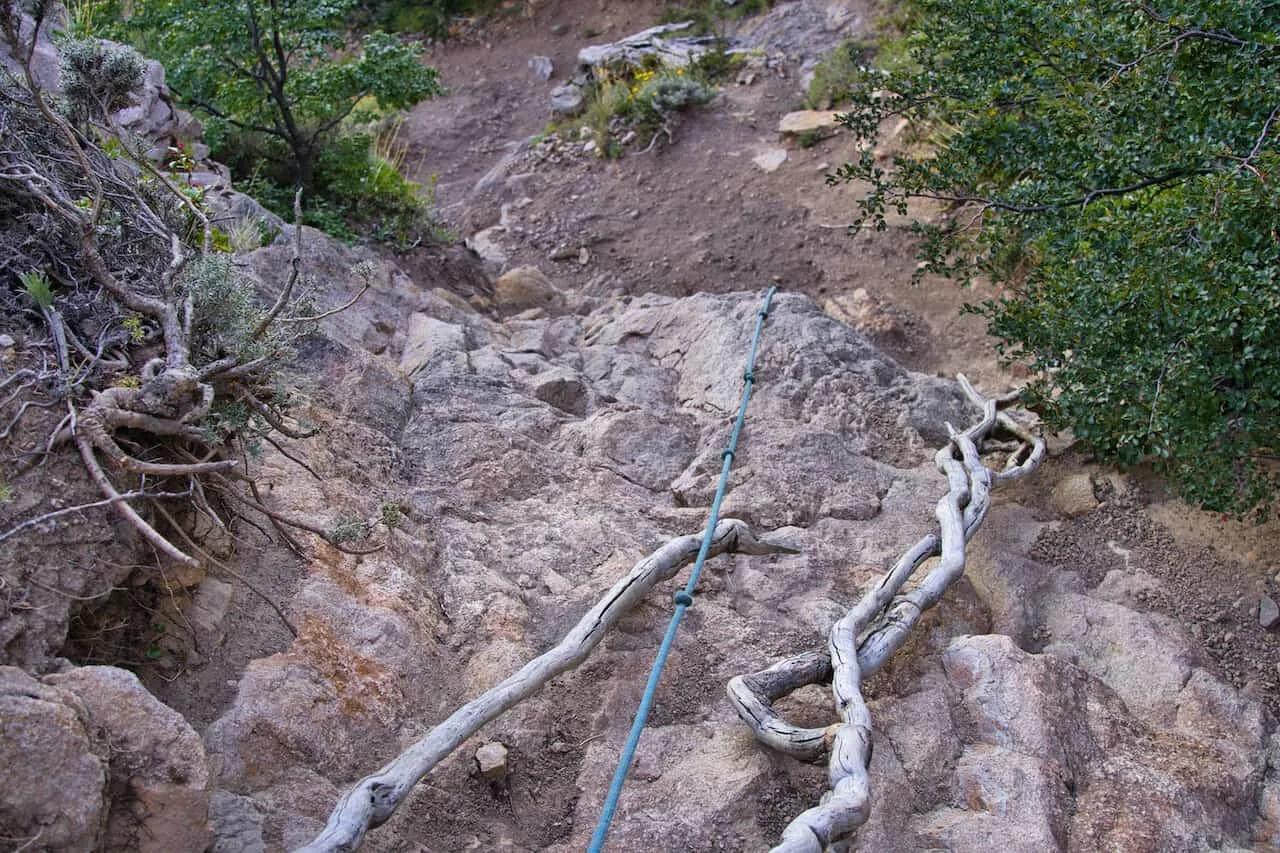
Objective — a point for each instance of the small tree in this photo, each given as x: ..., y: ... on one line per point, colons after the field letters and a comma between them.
x: 279, y: 68
x: 1113, y: 165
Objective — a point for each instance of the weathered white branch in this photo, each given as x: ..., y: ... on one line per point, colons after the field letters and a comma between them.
x: 373, y: 799
x: 862, y: 641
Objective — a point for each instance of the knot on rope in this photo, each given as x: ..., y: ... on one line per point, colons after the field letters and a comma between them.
x: 683, y: 599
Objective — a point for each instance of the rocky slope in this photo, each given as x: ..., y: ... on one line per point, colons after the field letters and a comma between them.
x: 516, y: 441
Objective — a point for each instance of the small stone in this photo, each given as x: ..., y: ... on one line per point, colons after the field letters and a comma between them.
x: 805, y: 121
x: 589, y: 147
x: 541, y: 67
x: 485, y: 245
x: 584, y: 256
x: 771, y: 160
x: 1268, y: 612
x: 559, y: 29
x: 522, y: 288
x: 1074, y: 496
x: 567, y: 100
x: 491, y: 759
x: 7, y: 341
x: 557, y: 583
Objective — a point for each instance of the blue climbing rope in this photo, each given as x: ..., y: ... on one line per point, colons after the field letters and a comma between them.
x: 683, y: 598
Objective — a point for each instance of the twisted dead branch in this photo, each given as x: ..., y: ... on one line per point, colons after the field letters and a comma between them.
x: 861, y: 642
x: 372, y: 800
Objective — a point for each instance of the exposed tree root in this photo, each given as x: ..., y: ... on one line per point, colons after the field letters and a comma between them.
x: 861, y: 642
x: 155, y: 348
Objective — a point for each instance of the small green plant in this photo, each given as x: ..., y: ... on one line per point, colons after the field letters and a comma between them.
x: 37, y: 286
x: 136, y: 330
x: 810, y: 138
x: 349, y: 528
x: 244, y: 235
x: 154, y: 649
x: 718, y: 64
x: 226, y: 311
x: 391, y: 514
x: 641, y: 101
x: 6, y: 492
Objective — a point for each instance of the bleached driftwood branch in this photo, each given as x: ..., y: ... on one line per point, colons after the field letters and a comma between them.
x: 373, y: 799
x: 862, y: 641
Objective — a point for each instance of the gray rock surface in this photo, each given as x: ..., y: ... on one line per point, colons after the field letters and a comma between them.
x: 159, y: 781
x: 574, y: 441
x: 567, y: 100
x: 48, y: 741
x: 1268, y: 612
x: 535, y: 443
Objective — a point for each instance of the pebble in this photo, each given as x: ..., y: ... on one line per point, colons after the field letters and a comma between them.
x: 491, y: 759
x: 541, y: 67
x: 1268, y: 612
x: 7, y: 341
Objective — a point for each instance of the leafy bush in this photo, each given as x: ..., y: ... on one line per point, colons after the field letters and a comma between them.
x: 97, y: 77
x: 1112, y: 166
x: 640, y: 101
x: 287, y: 104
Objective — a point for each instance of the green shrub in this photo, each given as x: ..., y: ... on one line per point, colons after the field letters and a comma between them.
x: 639, y: 100
x: 226, y: 311
x: 1112, y: 167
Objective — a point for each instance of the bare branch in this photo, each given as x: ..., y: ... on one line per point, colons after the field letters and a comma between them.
x: 870, y: 633
x: 295, y: 264
x: 373, y: 799
x: 122, y: 506
x: 127, y: 496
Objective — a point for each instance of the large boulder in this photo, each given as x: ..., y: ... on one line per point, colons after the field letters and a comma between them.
x: 53, y: 791
x: 159, y: 782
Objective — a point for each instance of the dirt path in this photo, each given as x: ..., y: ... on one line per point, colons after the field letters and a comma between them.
x: 696, y: 215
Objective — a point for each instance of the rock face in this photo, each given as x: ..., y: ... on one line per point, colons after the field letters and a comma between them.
x: 46, y: 737
x: 538, y: 457
x: 158, y: 781
x: 103, y: 765
x: 514, y: 447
